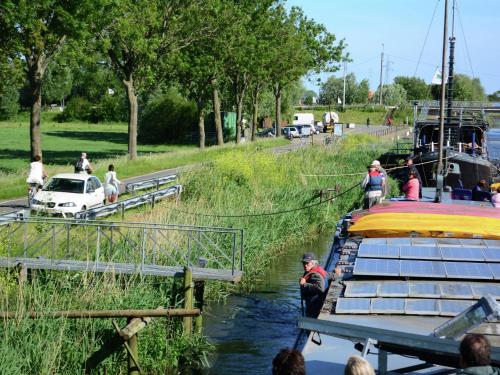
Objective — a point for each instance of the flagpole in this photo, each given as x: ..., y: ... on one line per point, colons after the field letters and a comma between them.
x: 440, y: 172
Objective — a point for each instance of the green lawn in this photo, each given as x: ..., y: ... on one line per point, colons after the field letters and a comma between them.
x: 62, y: 143
x: 104, y: 144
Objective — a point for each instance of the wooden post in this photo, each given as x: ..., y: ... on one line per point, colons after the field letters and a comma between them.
x: 188, y: 298
x: 199, y: 290
x: 134, y: 352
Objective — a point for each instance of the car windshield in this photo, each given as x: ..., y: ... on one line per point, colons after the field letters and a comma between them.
x: 65, y: 185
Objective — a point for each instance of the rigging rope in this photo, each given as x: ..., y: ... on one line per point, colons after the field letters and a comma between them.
x: 465, y: 43
x: 426, y: 36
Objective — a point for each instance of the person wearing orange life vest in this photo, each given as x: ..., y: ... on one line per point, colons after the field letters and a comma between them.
x: 313, y: 284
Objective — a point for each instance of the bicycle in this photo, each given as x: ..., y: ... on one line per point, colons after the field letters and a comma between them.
x: 32, y: 190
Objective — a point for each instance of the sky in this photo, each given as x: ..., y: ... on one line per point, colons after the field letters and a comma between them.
x: 399, y: 28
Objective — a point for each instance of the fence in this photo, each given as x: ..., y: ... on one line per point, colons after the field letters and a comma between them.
x: 132, y: 187
x: 102, y: 246
x: 121, y: 206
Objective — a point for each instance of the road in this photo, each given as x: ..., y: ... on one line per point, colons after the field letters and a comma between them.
x: 14, y: 205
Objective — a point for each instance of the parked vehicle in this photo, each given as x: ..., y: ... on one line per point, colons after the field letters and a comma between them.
x: 306, y: 130
x: 329, y: 119
x: 290, y: 132
x: 303, y: 118
x: 266, y: 133
x: 68, y: 193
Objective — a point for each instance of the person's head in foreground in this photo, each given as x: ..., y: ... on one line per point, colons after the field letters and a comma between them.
x: 358, y: 366
x: 289, y: 362
x: 475, y: 351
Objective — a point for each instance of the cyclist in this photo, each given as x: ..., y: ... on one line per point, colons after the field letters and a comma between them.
x: 36, y: 176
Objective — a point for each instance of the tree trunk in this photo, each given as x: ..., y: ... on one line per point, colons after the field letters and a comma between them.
x: 277, y: 95
x: 35, y: 75
x: 255, y: 111
x: 201, y: 122
x: 217, y: 114
x: 132, y: 120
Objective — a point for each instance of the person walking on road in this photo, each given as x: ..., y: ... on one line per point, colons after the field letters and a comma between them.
x: 83, y: 165
x: 111, y: 185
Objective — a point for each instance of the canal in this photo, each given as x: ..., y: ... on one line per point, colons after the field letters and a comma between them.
x: 249, y: 329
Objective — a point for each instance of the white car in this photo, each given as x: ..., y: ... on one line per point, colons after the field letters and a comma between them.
x: 68, y: 193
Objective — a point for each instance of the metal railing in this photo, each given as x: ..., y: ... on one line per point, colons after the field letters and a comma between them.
x: 73, y: 243
x: 132, y: 187
x: 121, y: 206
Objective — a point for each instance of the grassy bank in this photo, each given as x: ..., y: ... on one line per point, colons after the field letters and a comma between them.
x: 104, y: 143
x: 273, y: 197
x: 243, y: 190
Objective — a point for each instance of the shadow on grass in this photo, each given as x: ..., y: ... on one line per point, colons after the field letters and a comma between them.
x: 58, y: 157
x: 113, y: 137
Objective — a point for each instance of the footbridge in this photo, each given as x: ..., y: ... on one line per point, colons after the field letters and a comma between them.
x: 162, y: 250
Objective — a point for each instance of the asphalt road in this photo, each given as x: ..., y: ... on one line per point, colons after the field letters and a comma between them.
x: 14, y: 205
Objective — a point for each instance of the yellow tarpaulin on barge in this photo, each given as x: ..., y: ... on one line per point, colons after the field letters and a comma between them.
x: 426, y: 225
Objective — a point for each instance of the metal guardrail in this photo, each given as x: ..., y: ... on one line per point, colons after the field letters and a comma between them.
x: 141, y: 247
x: 121, y: 206
x: 132, y: 187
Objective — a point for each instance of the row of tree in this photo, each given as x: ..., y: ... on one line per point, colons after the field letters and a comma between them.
x: 403, y: 89
x: 246, y: 48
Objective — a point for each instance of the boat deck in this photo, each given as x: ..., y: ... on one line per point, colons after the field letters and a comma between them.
x: 405, y: 285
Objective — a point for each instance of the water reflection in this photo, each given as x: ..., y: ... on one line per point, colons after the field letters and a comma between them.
x: 250, y: 329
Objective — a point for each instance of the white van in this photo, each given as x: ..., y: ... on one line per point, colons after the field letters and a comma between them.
x: 303, y: 119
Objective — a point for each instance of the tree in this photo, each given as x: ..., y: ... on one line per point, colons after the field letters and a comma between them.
x: 495, y: 97
x: 416, y: 88
x: 393, y: 95
x: 37, y: 30
x: 141, y: 34
x: 305, y: 46
x: 466, y: 88
x: 57, y: 82
x: 362, y: 92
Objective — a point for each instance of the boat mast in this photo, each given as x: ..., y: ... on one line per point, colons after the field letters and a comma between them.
x: 439, y: 176
x: 450, y: 68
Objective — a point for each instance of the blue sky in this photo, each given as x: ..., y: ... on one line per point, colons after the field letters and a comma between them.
x: 402, y: 25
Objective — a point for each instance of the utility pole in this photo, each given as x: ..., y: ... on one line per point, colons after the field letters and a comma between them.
x: 381, y: 67
x: 343, y: 94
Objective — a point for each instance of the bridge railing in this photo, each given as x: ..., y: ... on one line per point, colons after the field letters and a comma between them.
x: 143, y: 245
x: 132, y: 187
x: 125, y: 204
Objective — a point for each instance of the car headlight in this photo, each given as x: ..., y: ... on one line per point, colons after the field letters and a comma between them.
x: 37, y: 202
x: 67, y: 204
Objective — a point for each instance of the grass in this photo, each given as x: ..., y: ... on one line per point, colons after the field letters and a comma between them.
x: 104, y: 143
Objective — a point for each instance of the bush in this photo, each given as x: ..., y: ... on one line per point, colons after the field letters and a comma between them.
x: 9, y: 103
x: 110, y: 108
x: 166, y: 118
x: 78, y: 108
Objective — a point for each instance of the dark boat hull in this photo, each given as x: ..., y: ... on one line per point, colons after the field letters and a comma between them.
x: 471, y: 168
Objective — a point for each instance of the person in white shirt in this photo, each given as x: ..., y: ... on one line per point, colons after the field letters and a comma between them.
x: 83, y: 165
x: 37, y: 172
x: 111, y: 185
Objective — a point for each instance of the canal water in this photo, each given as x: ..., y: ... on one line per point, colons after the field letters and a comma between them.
x: 248, y: 330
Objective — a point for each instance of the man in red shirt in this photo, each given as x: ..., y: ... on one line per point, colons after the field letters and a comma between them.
x: 313, y: 285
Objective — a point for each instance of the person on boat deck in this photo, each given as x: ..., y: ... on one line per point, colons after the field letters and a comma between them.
x: 480, y: 193
x: 411, y: 167
x: 289, y: 362
x: 357, y: 365
x: 386, y: 188
x: 373, y: 184
x: 475, y: 356
x: 412, y: 187
x: 495, y: 199
x: 313, y: 285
